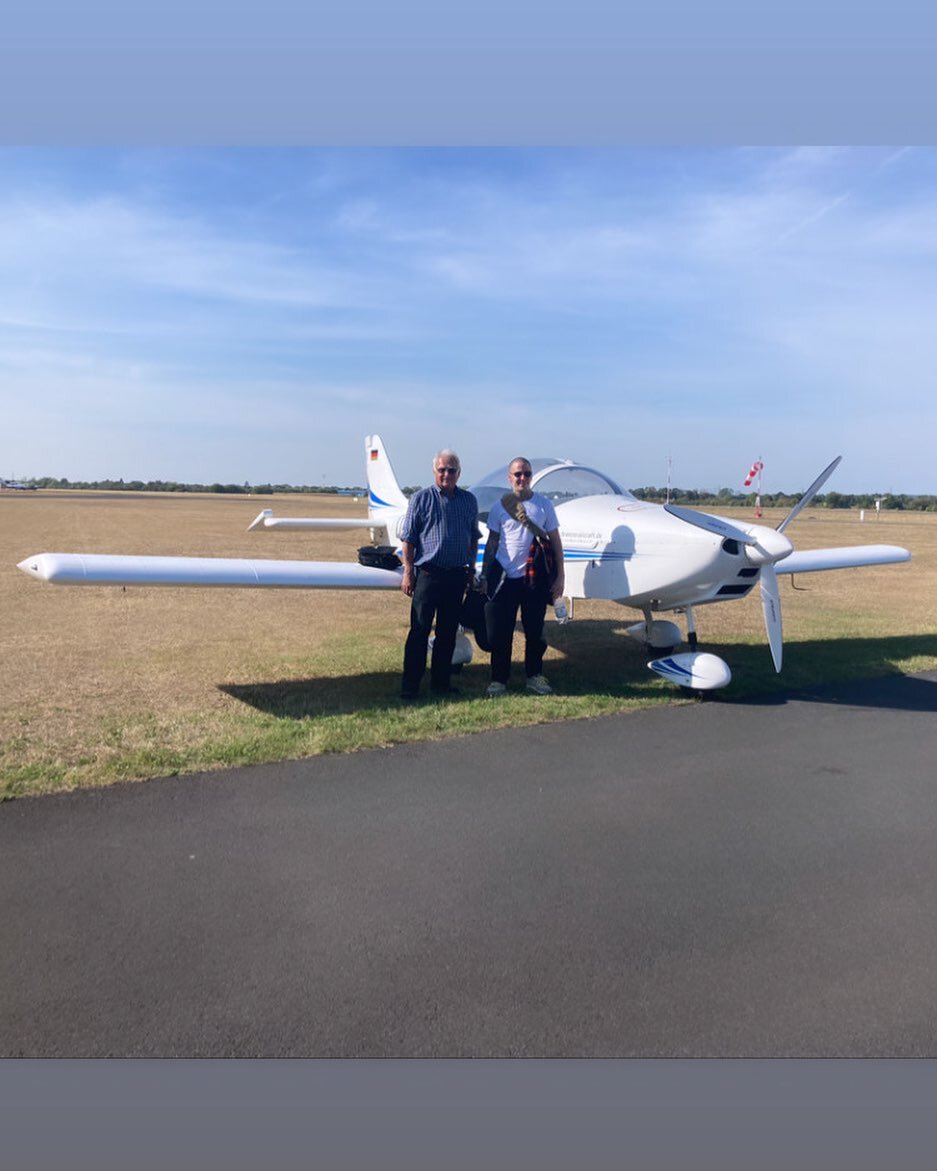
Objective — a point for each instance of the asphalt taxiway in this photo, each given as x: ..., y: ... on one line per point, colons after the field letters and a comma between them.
x: 709, y: 880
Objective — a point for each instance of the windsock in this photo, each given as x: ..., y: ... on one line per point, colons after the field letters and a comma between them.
x: 756, y: 467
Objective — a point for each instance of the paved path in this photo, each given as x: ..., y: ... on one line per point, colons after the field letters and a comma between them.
x: 717, y: 879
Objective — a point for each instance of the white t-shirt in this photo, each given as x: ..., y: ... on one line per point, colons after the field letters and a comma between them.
x: 515, y: 538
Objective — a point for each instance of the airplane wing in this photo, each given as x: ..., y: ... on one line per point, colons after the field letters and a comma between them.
x: 847, y: 557
x: 110, y: 569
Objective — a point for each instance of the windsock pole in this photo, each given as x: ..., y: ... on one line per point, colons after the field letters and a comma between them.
x: 754, y: 474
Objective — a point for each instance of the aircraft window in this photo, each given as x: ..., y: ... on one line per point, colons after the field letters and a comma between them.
x: 571, y: 483
x: 564, y: 482
x: 487, y: 495
x: 493, y: 486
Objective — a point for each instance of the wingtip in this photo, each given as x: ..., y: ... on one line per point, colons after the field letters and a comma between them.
x: 31, y: 565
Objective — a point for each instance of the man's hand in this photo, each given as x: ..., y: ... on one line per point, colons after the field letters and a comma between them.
x: 408, y: 580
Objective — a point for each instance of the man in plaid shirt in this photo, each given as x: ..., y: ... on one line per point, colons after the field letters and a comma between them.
x: 440, y: 539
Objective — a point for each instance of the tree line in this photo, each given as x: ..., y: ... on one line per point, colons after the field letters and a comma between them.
x: 179, y: 486
x: 699, y: 498
x: 726, y: 498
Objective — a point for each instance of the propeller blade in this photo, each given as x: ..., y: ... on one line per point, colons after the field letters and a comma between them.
x: 810, y: 493
x: 709, y: 524
x: 771, y: 608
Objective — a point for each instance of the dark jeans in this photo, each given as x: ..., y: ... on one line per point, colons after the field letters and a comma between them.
x: 437, y: 593
x: 514, y: 593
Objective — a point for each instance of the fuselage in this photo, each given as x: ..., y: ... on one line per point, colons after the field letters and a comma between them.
x: 626, y: 551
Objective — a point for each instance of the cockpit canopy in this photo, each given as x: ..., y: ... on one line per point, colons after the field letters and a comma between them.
x: 558, y: 480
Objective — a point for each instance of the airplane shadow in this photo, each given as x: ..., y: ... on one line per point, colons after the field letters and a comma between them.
x: 596, y: 657
x: 850, y: 672
x: 896, y: 692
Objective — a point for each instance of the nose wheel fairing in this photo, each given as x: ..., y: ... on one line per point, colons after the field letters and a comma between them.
x: 693, y: 671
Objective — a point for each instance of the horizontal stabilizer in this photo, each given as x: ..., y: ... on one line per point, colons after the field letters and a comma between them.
x: 266, y: 520
x: 108, y: 569
x: 848, y: 557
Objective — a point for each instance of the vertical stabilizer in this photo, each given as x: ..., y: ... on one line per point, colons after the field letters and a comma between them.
x: 383, y: 490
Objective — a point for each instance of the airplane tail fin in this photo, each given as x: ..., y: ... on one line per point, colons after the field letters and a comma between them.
x: 383, y: 490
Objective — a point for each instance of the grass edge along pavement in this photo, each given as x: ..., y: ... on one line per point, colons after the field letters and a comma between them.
x: 278, y: 721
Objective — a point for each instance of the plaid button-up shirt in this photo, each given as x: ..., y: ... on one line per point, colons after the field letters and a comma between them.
x: 442, y: 529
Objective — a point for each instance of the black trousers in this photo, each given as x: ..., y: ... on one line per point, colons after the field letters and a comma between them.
x: 514, y: 593
x: 437, y: 594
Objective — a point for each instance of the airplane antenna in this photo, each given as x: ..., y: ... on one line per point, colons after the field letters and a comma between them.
x: 754, y: 475
x: 669, y: 468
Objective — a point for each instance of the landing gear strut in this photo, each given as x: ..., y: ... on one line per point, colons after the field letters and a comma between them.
x: 690, y: 629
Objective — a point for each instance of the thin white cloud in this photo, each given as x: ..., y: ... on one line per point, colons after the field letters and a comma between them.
x: 813, y: 218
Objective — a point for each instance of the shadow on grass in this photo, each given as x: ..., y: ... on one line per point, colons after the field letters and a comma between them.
x: 595, y: 657
x: 298, y: 699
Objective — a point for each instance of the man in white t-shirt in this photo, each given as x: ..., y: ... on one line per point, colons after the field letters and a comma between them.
x: 514, y: 579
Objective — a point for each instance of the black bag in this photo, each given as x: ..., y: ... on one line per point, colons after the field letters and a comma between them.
x: 476, y: 616
x: 379, y: 557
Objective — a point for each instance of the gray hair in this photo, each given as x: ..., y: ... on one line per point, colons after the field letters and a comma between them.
x: 447, y: 454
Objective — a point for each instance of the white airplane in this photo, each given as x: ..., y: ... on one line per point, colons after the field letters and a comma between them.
x: 654, y: 558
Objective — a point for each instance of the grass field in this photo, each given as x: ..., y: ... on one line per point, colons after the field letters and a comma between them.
x: 102, y: 684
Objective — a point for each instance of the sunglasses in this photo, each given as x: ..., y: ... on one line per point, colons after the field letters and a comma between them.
x: 450, y: 471
x: 521, y: 475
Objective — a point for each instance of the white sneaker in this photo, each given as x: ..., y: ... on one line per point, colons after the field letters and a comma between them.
x: 495, y: 690
x: 538, y: 685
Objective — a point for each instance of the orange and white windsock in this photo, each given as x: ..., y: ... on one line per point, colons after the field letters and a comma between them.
x: 753, y: 472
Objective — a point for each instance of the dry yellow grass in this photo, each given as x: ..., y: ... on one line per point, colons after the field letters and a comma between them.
x: 101, y: 683
x: 76, y: 659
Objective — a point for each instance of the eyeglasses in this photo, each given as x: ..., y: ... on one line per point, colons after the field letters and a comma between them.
x: 521, y: 475
x: 449, y: 471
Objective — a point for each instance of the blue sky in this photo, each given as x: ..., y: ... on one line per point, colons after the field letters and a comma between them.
x: 251, y: 314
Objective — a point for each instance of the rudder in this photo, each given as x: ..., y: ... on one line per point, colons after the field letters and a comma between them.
x: 383, y: 490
